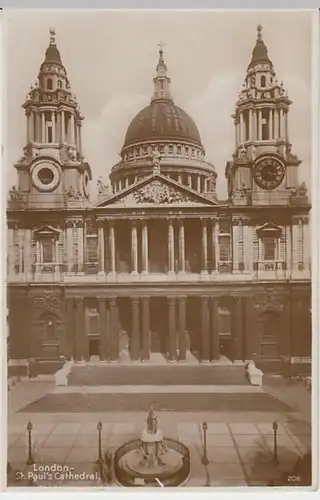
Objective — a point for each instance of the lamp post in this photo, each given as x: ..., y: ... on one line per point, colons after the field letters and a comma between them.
x: 30, y: 460
x: 100, y: 458
x: 275, y: 447
x: 205, y: 460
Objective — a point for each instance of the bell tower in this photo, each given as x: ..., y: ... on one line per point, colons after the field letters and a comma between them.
x: 263, y: 170
x: 52, y: 171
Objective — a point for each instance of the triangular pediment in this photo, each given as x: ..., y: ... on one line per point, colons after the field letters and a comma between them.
x: 47, y: 229
x: 269, y: 228
x: 157, y: 190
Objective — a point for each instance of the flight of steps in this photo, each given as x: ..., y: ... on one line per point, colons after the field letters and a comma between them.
x: 117, y: 374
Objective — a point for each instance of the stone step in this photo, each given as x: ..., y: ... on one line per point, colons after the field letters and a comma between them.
x: 105, y: 374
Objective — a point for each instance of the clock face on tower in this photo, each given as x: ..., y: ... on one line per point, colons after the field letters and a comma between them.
x: 268, y: 173
x: 45, y: 176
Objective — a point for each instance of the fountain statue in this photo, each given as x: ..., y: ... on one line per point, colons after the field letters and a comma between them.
x: 152, y: 458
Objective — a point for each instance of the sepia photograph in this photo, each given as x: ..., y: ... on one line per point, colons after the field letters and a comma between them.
x: 158, y: 172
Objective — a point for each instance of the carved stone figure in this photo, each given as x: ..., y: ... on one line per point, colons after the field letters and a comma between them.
x: 102, y: 186
x: 15, y: 194
x: 155, y: 159
x: 152, y: 422
x: 156, y: 192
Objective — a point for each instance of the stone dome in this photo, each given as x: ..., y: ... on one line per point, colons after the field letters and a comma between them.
x: 162, y: 120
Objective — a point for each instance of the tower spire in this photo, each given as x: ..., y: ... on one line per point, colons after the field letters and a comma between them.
x: 161, y: 81
x: 260, y: 51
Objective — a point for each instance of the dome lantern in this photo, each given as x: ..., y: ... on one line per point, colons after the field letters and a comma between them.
x: 161, y: 81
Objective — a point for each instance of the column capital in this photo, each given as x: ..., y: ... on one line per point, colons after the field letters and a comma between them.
x: 172, y: 301
x: 112, y: 301
x: 101, y: 300
x: 145, y: 300
x: 100, y: 223
x: 182, y: 298
x: 204, y: 298
x: 135, y: 301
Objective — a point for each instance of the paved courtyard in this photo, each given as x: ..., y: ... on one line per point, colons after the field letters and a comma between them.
x: 239, y: 443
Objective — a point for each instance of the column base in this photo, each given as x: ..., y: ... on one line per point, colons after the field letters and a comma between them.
x: 171, y: 273
x: 238, y: 362
x: 204, y: 361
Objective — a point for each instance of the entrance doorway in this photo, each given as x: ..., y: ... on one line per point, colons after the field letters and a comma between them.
x: 94, y: 347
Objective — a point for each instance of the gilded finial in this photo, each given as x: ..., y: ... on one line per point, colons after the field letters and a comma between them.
x: 52, y: 36
x: 259, y: 30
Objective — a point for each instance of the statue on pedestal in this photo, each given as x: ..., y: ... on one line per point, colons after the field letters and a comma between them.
x: 152, y: 422
x: 155, y: 159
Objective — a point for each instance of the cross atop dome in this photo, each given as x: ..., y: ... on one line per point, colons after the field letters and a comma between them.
x: 161, y: 81
x: 259, y: 30
x: 52, y: 36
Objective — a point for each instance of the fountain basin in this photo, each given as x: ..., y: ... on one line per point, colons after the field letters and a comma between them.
x: 140, y: 461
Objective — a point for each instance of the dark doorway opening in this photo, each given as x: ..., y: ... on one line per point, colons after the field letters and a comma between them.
x: 94, y: 347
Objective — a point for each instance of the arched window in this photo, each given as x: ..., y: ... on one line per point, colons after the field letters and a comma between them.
x: 263, y: 81
x: 59, y: 84
x: 49, y: 84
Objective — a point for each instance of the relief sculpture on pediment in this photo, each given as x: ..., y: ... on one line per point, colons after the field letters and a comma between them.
x: 158, y: 193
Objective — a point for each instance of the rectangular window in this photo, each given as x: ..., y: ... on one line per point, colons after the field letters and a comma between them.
x: 49, y: 133
x: 224, y: 323
x: 47, y: 250
x: 224, y: 248
x: 269, y: 248
x: 92, y: 249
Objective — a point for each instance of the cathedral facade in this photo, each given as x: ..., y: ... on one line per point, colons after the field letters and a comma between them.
x: 159, y: 264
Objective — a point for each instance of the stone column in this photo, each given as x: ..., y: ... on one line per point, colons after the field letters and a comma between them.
x: 27, y: 253
x: 104, y: 328
x: 205, y: 339
x: 180, y: 178
x: 276, y: 124
x: 182, y: 328
x: 145, y: 248
x: 172, y: 329
x: 72, y: 135
x: 217, y: 230
x: 101, y: 247
x: 190, y: 181
x: 63, y: 127
x: 80, y: 228
x: 213, y: 245
x: 242, y: 135
x: 112, y: 246
x: 80, y: 139
x: 43, y: 128
x: 38, y: 127
x: 214, y: 330
x: 286, y: 126
x: 81, y: 341
x: 170, y: 246
x: 204, y: 247
x: 259, y: 125
x: 250, y: 125
x: 182, y: 257
x: 53, y: 122
x: 38, y: 257
x: 70, y: 256
x: 135, y: 339
x: 10, y: 245
x: 58, y: 128
x: 32, y: 127
x: 28, y: 128
x: 235, y: 244
x: 70, y: 329
x: 114, y: 329
x: 237, y: 324
x: 281, y: 123
x: 254, y: 125
x: 270, y: 125
x: 134, y: 247
x: 199, y: 183
x: 145, y: 329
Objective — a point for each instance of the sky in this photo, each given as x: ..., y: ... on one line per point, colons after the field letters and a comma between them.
x: 111, y: 56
